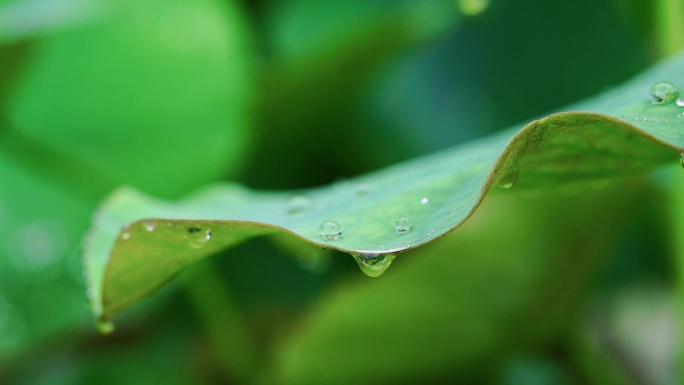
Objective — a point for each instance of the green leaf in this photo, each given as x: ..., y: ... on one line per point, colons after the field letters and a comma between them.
x: 158, y: 97
x: 325, y: 56
x: 40, y: 273
x: 619, y: 133
x: 25, y: 19
x: 463, y: 302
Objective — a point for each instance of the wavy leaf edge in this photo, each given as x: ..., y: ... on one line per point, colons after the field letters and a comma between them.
x: 521, y: 143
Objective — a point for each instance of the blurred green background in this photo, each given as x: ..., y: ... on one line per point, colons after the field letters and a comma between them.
x: 168, y: 96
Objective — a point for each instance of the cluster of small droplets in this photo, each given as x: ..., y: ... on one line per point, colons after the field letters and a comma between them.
x: 663, y: 92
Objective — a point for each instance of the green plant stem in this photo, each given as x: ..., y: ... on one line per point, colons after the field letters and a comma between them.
x: 212, y: 299
x: 677, y: 223
x: 670, y: 25
x: 220, y: 318
x: 670, y: 29
x: 598, y: 366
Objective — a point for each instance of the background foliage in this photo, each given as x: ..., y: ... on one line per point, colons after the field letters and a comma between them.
x: 167, y: 96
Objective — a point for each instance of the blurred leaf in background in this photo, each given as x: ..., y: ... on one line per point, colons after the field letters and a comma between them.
x: 150, y: 94
x: 168, y: 96
x: 153, y: 94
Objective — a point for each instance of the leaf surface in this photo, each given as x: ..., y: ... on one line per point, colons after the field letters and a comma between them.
x: 137, y: 243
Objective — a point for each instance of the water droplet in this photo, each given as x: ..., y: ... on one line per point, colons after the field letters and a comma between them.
x: 509, y: 180
x: 298, y: 203
x: 125, y: 232
x: 403, y: 225
x: 362, y: 189
x: 104, y: 327
x: 473, y: 7
x: 197, y: 237
x: 663, y: 92
x: 431, y: 231
x: 150, y: 225
x: 424, y: 201
x: 373, y: 265
x: 680, y: 102
x: 330, y: 231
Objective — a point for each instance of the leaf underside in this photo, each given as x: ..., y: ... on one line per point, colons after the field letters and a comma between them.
x: 137, y: 243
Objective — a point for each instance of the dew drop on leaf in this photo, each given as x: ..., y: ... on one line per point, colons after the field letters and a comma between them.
x: 150, y: 225
x: 680, y: 102
x: 125, y: 233
x: 510, y: 179
x: 330, y: 231
x: 197, y: 237
x: 373, y: 265
x: 663, y: 92
x: 424, y: 201
x: 403, y: 225
x: 298, y: 203
x: 362, y: 189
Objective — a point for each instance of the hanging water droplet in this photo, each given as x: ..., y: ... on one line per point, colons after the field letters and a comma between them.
x: 150, y: 225
x: 362, y: 189
x: 197, y: 238
x: 330, y: 231
x: 473, y: 7
x: 403, y: 225
x: 125, y: 232
x: 424, y: 201
x: 373, y: 265
x: 298, y: 203
x: 663, y: 92
x: 509, y: 180
x: 680, y: 102
x: 104, y: 327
